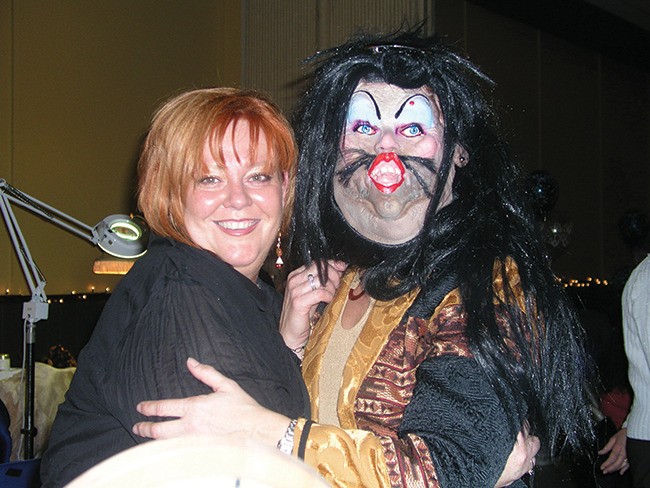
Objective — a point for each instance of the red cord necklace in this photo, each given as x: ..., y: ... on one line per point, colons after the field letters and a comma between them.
x: 356, y: 284
x: 353, y: 297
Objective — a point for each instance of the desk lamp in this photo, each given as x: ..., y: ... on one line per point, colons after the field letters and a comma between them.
x: 118, y: 235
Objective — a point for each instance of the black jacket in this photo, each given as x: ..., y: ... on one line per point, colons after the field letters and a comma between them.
x: 176, y: 302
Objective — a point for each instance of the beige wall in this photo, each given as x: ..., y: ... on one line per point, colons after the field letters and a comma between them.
x: 80, y: 79
x: 279, y: 35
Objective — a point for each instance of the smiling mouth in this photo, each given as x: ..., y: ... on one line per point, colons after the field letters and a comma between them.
x: 237, y: 227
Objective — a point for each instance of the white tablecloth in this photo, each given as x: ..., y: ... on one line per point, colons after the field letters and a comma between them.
x: 50, y: 387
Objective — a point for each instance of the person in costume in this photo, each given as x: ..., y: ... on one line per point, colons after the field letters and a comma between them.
x: 449, y: 340
x: 216, y: 181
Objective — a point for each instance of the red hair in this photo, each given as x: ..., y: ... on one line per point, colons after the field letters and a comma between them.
x: 172, y: 155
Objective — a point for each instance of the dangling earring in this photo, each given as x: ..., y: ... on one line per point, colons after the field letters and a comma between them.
x: 278, y: 252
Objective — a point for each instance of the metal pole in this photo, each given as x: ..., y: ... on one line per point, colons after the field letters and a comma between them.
x: 29, y: 430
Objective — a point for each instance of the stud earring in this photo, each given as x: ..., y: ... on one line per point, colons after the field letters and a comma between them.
x: 278, y: 252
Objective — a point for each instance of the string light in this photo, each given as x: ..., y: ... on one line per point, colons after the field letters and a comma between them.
x: 585, y: 283
x: 565, y: 282
x: 73, y: 293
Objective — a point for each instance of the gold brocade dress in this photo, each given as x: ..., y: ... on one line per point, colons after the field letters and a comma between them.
x: 378, y: 383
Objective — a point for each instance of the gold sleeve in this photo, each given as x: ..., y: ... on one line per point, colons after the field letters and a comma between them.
x: 327, y: 448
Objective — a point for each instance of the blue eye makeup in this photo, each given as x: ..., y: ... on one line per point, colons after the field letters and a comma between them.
x: 363, y: 113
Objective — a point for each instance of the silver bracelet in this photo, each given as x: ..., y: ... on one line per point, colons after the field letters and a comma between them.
x: 285, y: 444
x: 299, y: 351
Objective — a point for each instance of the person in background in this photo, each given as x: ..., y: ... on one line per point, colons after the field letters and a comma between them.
x: 216, y: 184
x: 605, y: 464
x: 633, y: 226
x: 449, y: 341
x: 636, y: 332
x: 59, y: 357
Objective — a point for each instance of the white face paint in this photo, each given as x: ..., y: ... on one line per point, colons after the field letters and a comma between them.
x: 386, y: 201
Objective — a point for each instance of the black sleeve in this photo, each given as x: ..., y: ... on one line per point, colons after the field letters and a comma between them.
x: 136, y: 353
x: 459, y: 416
x: 158, y: 317
x: 186, y: 319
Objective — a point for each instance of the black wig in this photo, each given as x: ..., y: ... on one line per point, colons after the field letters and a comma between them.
x: 527, y: 339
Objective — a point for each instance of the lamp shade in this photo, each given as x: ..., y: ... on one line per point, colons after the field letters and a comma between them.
x: 122, y: 236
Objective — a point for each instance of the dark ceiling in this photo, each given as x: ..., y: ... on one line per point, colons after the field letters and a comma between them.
x: 581, y: 23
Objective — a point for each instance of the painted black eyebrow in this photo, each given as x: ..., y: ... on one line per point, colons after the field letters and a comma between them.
x: 401, y: 107
x: 374, y: 102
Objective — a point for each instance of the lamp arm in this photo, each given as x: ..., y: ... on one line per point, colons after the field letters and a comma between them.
x: 48, y: 212
x: 35, y: 279
x: 118, y: 235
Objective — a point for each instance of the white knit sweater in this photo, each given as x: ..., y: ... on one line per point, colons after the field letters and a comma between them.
x: 636, y: 330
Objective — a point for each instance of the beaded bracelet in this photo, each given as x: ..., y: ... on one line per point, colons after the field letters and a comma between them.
x: 299, y: 351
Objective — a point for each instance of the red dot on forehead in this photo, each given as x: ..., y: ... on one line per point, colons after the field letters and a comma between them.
x: 411, y: 102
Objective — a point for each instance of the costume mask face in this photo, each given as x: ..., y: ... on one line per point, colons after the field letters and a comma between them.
x: 392, y: 146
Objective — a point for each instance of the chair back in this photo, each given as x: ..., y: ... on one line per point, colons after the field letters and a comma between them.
x: 21, y: 474
x: 5, y: 436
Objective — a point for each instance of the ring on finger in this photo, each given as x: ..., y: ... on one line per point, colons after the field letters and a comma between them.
x: 312, y: 281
